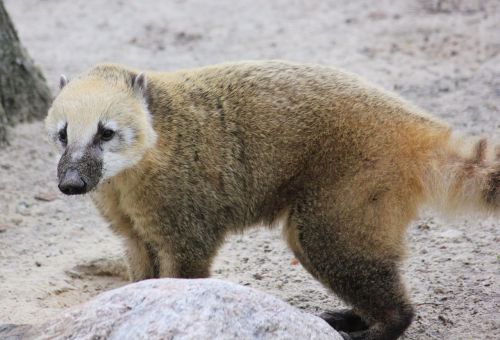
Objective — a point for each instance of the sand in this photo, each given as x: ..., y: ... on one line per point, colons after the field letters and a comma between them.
x: 441, y: 55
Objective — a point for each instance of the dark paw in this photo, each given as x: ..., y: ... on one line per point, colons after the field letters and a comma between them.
x: 344, y: 320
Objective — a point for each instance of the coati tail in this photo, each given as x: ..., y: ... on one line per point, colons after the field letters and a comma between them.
x: 464, y: 177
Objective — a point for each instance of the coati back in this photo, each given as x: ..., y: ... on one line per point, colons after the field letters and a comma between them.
x: 177, y: 160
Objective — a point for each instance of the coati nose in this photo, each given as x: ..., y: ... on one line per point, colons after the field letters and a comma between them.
x: 72, y: 183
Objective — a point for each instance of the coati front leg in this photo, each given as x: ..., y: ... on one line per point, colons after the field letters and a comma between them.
x: 183, y: 250
x: 141, y: 259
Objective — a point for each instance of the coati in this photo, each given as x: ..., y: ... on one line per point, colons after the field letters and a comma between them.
x: 177, y: 160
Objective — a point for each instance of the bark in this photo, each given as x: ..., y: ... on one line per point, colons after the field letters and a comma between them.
x: 3, y: 124
x: 24, y: 94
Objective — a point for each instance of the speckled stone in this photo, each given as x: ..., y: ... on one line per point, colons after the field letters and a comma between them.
x: 183, y: 309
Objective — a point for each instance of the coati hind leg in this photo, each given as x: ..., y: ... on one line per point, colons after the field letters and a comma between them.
x: 353, y: 256
x: 343, y: 320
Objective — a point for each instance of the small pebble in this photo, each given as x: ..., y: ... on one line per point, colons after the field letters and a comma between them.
x: 257, y: 276
x: 46, y: 196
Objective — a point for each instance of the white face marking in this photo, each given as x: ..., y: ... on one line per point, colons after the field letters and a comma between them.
x: 111, y: 125
x: 113, y: 163
x: 55, y: 135
x: 60, y: 125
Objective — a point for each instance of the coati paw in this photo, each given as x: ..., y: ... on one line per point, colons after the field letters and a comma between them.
x: 344, y: 320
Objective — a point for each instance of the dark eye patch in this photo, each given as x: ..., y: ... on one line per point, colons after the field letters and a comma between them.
x: 103, y: 134
x: 62, y: 135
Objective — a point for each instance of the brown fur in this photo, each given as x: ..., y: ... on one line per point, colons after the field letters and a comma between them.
x: 343, y: 163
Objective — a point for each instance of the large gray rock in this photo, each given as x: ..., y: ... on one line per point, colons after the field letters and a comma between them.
x: 180, y: 309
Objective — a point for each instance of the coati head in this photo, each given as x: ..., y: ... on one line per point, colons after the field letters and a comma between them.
x: 101, y: 124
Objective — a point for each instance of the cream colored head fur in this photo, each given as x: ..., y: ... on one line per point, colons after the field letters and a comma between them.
x: 109, y: 98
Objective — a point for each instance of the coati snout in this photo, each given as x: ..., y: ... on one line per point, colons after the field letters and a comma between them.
x: 72, y: 183
x: 79, y: 169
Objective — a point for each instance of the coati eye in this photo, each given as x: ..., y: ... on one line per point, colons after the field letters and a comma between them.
x: 63, y: 135
x: 107, y: 135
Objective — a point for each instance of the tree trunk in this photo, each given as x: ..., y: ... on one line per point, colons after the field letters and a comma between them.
x: 24, y: 94
x: 3, y: 124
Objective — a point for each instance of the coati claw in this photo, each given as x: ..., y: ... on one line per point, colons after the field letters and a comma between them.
x: 345, y: 336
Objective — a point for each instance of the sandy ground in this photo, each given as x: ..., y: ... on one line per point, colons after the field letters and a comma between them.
x: 442, y: 55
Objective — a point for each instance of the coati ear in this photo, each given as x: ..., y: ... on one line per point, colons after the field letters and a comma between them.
x: 139, y: 84
x: 62, y: 81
